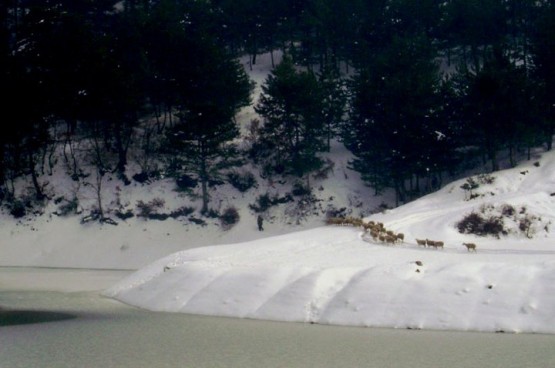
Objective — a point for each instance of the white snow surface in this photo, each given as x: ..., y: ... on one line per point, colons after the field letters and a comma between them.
x: 338, y: 275
x: 299, y: 270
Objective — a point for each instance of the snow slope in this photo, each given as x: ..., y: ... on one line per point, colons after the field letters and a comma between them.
x: 335, y: 275
x: 48, y: 240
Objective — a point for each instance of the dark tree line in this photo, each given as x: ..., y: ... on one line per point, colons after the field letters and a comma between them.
x: 415, y: 89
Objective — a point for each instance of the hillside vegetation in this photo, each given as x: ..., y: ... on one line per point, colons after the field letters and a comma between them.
x: 172, y: 92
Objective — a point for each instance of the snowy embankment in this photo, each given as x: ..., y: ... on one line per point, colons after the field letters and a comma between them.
x: 335, y: 275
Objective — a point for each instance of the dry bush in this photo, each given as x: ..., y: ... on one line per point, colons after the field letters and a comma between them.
x: 229, y: 218
x: 477, y: 224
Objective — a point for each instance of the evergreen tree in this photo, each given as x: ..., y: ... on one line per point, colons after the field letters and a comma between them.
x: 392, y: 113
x: 543, y: 56
x: 334, y: 100
x: 292, y: 134
x: 474, y: 27
x: 500, y: 107
x: 210, y: 96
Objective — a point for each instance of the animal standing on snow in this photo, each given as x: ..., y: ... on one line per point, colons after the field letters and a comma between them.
x: 434, y: 243
x: 421, y: 242
x: 470, y: 246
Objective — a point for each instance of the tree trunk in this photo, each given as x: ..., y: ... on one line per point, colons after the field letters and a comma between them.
x: 204, y: 183
x: 38, y: 191
x: 493, y: 159
x: 121, y: 149
x: 98, y: 189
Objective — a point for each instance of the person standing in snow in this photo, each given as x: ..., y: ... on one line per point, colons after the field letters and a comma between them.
x: 259, y: 221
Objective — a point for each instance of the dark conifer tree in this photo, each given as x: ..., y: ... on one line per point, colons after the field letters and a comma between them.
x: 210, y: 92
x: 392, y: 113
x: 543, y: 56
x: 500, y: 107
x: 292, y: 134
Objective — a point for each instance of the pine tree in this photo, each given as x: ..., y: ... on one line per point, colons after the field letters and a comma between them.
x: 292, y: 109
x: 543, y: 56
x: 499, y: 107
x: 391, y: 118
x: 334, y: 100
x: 201, y: 142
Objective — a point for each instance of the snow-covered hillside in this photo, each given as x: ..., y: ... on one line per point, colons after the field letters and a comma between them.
x: 49, y: 240
x: 298, y: 269
x: 337, y: 275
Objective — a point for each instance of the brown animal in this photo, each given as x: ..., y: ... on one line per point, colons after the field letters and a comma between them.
x: 439, y: 244
x: 401, y: 237
x: 470, y: 246
x: 421, y: 242
x: 390, y: 239
x: 430, y: 243
x: 335, y: 221
x: 357, y: 222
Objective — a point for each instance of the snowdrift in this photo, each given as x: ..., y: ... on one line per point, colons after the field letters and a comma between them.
x: 336, y: 275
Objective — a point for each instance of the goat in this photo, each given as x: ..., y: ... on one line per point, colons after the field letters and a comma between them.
x: 390, y: 239
x: 335, y: 221
x: 470, y: 246
x: 367, y: 226
x: 421, y: 242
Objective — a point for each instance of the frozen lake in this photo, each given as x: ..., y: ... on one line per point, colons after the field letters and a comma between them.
x: 57, y: 319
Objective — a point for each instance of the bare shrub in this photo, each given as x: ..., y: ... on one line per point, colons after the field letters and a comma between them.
x: 124, y: 215
x: 241, y: 181
x: 18, y: 209
x: 265, y: 201
x: 508, y: 211
x: 150, y: 209
x: 526, y: 225
x: 67, y: 207
x: 480, y: 225
x: 182, y: 212
x: 468, y: 187
x: 485, y: 178
x: 229, y: 218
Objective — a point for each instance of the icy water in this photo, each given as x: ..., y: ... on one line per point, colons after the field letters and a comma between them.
x: 56, y: 318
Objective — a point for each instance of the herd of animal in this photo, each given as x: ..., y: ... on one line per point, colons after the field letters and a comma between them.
x: 379, y: 233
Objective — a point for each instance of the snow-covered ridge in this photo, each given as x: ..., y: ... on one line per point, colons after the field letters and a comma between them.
x: 332, y: 275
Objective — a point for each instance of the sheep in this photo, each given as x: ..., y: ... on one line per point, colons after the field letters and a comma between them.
x: 400, y: 237
x: 348, y: 221
x: 434, y: 243
x: 470, y: 246
x: 335, y: 221
x: 421, y: 242
x: 357, y: 222
x: 390, y: 239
